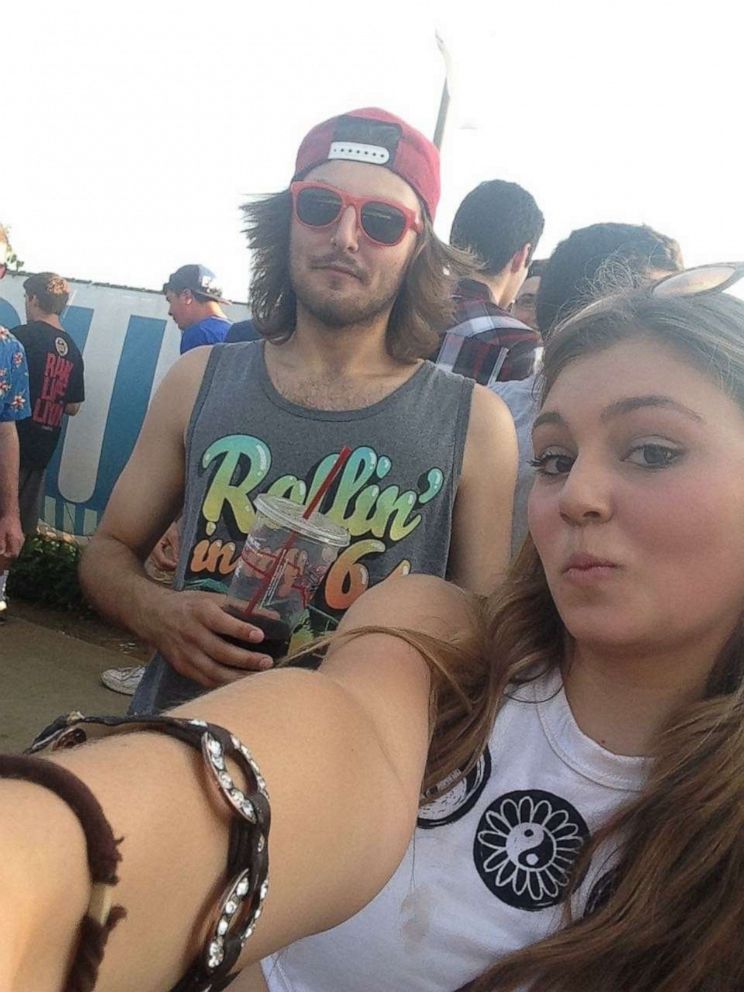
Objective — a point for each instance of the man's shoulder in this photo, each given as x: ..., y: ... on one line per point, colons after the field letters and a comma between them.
x: 446, y: 378
x: 10, y: 347
x: 37, y: 332
x: 214, y: 320
x: 12, y: 354
x: 209, y: 330
x: 487, y: 315
x: 14, y: 401
x: 10, y: 337
x: 474, y: 303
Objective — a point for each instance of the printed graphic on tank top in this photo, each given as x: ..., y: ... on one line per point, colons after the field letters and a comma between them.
x: 395, y: 494
x: 487, y: 870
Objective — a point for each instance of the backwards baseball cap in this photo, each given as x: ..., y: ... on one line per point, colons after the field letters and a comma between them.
x: 376, y: 137
x: 198, y: 279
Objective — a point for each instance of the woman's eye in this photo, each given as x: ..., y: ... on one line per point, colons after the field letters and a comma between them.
x: 552, y: 463
x: 653, y: 455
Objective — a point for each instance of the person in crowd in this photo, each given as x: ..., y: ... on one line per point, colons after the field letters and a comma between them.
x: 56, y: 389
x: 500, y: 224
x: 589, y: 263
x: 542, y: 791
x: 591, y: 259
x: 14, y: 406
x: 525, y: 305
x: 348, y: 288
x: 195, y: 304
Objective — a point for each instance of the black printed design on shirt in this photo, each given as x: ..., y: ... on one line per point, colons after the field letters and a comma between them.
x: 453, y: 805
x: 525, y: 846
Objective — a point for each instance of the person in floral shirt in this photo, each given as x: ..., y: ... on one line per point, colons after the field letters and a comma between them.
x: 14, y: 405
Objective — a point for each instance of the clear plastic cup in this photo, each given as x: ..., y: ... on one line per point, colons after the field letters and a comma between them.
x: 284, y: 559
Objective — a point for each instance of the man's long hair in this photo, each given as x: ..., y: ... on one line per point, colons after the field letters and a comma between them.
x: 422, y: 309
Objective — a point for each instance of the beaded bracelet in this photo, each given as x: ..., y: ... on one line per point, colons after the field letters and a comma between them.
x: 241, y: 904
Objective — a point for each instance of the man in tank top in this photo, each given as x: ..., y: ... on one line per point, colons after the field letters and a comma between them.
x: 349, y: 284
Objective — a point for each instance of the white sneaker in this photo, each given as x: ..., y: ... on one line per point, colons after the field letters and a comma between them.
x: 123, y: 680
x: 3, y: 608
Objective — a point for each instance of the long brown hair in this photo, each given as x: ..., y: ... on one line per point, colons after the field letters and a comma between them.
x: 422, y: 309
x: 673, y: 915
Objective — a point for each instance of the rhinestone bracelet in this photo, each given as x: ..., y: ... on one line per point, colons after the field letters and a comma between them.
x: 237, y: 912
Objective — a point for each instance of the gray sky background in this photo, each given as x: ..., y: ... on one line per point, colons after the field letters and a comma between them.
x: 132, y: 132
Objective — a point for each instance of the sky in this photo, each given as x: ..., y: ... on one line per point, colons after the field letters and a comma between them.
x: 131, y: 133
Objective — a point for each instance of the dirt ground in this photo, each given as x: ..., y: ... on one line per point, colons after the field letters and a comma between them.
x: 85, y: 627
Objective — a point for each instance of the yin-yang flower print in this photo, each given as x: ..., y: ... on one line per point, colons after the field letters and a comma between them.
x: 525, y: 846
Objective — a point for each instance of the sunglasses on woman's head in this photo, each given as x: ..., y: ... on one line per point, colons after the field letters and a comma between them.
x: 699, y: 280
x: 384, y: 222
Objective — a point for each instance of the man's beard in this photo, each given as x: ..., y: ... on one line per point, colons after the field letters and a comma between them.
x: 360, y: 309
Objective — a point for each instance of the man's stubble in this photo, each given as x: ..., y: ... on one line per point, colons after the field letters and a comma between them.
x: 360, y: 309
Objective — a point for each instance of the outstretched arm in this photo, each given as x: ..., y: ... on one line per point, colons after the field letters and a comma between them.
x: 343, y: 752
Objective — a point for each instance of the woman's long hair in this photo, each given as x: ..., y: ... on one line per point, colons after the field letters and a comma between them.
x: 422, y: 309
x: 674, y: 918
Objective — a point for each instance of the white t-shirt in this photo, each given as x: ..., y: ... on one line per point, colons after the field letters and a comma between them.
x: 486, y: 869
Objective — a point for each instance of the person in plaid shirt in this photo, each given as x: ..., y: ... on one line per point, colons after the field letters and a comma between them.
x: 500, y: 223
x: 14, y: 405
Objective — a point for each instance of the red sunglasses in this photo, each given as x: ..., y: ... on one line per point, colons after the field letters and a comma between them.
x: 384, y: 222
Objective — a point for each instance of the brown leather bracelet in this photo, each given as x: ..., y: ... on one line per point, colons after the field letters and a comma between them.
x: 241, y: 905
x: 103, y: 856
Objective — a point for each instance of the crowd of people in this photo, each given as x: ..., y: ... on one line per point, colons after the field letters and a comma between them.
x: 514, y: 758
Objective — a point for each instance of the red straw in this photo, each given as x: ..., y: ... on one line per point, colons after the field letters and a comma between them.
x: 342, y: 459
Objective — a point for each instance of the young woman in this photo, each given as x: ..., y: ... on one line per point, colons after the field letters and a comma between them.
x: 595, y: 704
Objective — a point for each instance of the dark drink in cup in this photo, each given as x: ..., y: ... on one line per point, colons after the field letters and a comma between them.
x: 284, y: 560
x: 277, y: 633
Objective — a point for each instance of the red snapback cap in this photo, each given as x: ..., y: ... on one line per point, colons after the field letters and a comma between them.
x: 376, y: 137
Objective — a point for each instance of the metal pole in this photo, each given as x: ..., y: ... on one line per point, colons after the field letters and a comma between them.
x: 442, y: 115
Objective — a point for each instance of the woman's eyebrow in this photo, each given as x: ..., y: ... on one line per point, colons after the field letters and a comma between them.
x: 632, y: 403
x: 548, y: 417
x: 624, y: 406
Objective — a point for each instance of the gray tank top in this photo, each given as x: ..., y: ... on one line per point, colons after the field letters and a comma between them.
x: 396, y: 493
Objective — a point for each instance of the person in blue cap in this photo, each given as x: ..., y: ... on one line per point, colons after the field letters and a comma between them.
x: 194, y: 303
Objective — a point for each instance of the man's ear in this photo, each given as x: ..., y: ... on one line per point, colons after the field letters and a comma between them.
x: 519, y: 258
